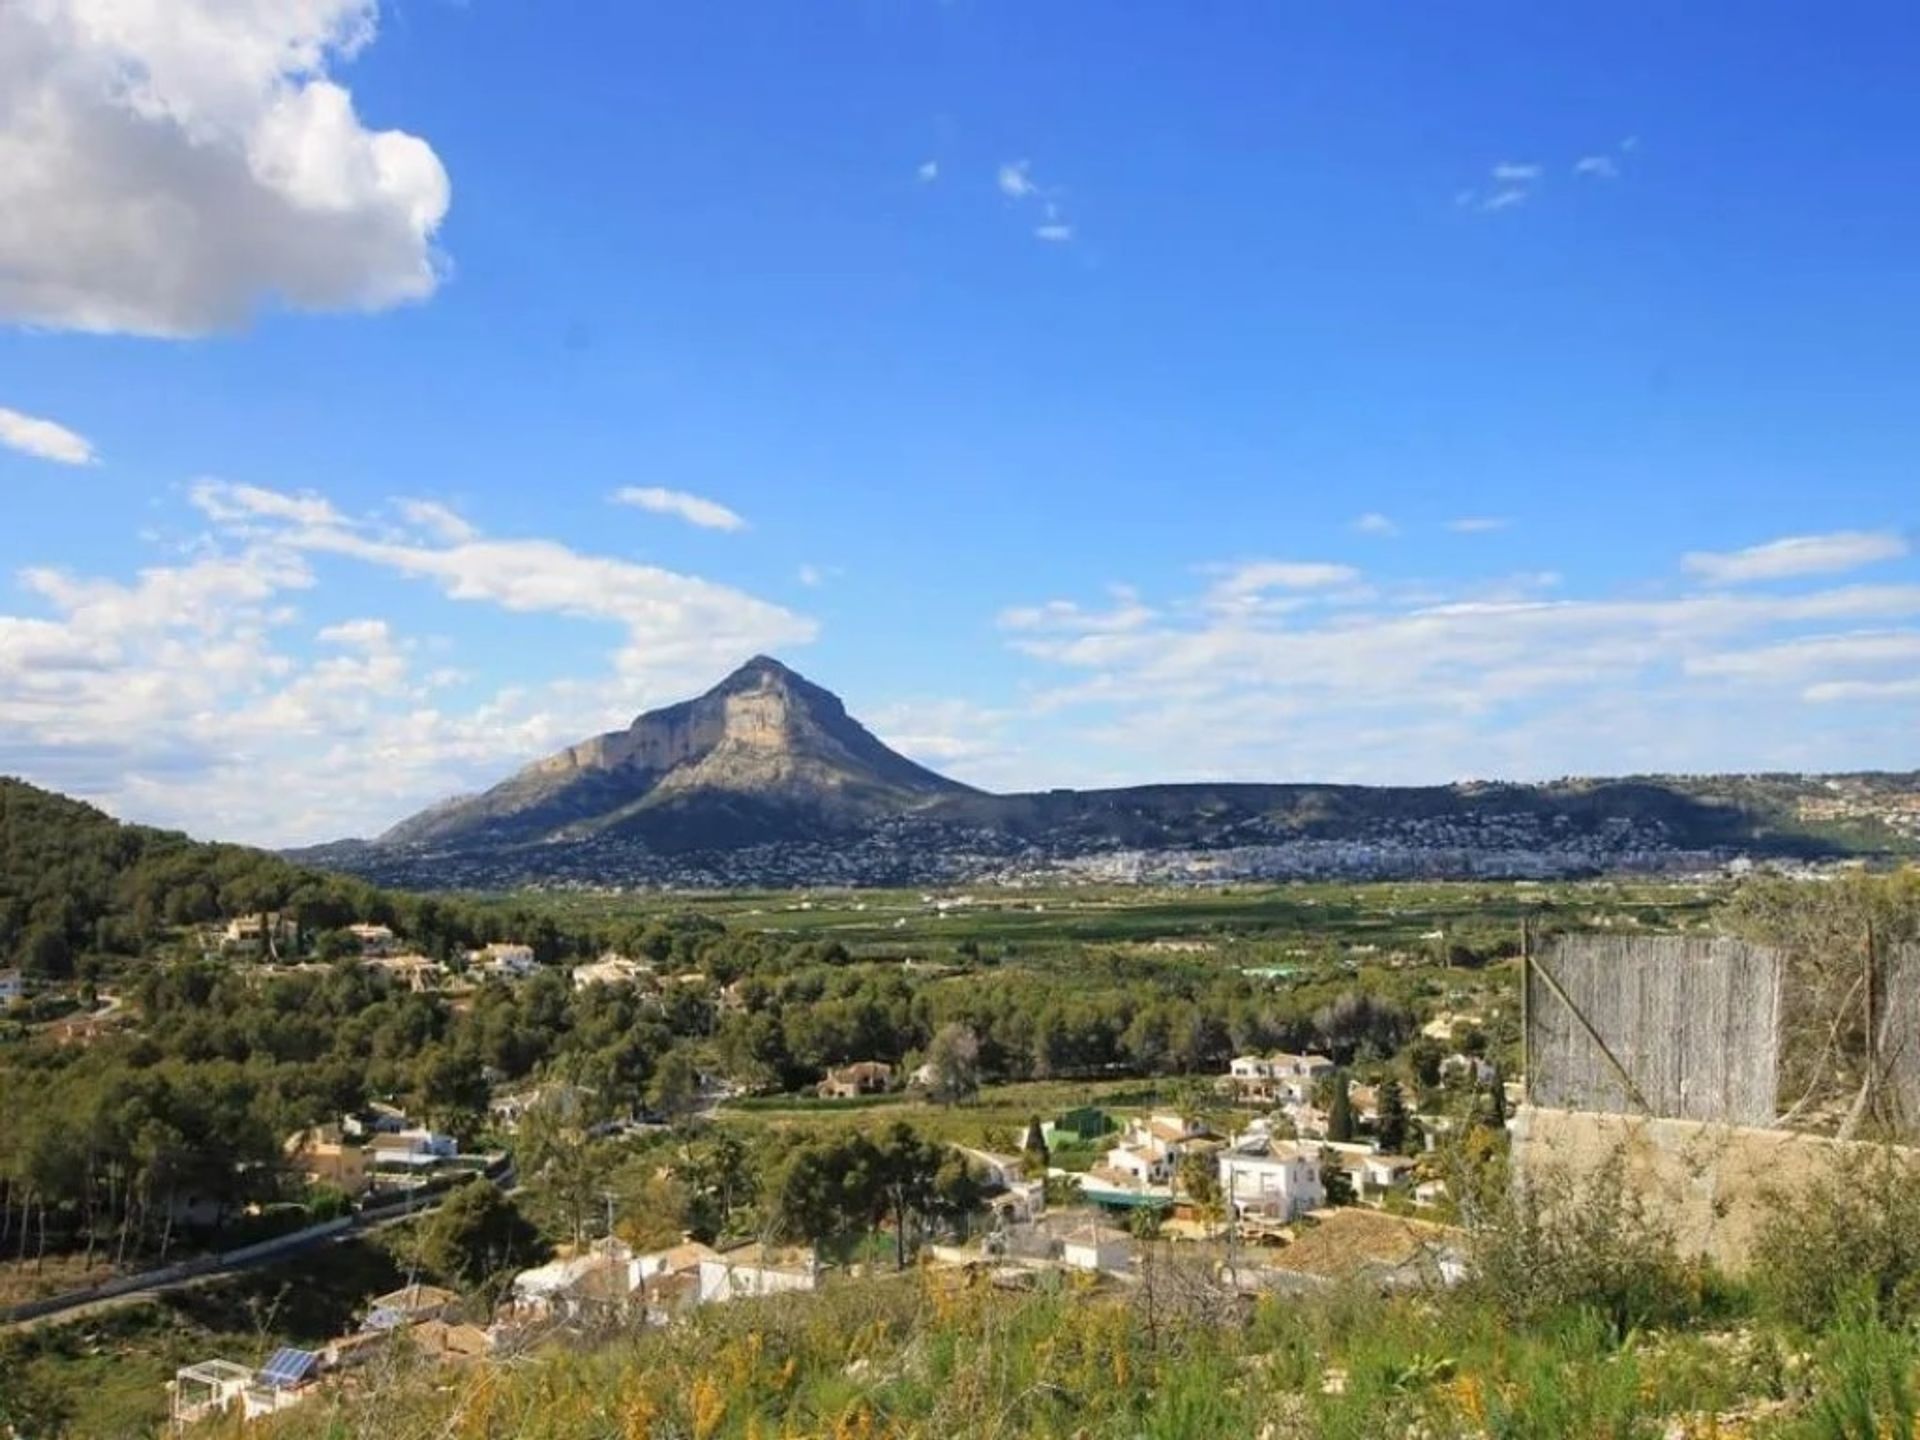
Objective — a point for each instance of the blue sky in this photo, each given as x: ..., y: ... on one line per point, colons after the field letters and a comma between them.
x: 1088, y: 393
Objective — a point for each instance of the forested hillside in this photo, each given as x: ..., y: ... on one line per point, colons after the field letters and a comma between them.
x: 80, y: 891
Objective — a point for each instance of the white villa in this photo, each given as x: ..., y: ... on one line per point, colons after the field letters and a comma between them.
x: 611, y: 969
x: 1273, y: 1181
x: 503, y: 961
x: 1277, y: 1079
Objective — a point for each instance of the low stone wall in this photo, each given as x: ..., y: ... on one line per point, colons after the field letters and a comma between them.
x: 1712, y: 1183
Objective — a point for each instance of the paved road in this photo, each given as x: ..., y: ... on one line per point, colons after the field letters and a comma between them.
x: 79, y: 1307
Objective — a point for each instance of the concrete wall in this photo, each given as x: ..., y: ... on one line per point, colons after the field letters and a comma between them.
x: 1711, y: 1183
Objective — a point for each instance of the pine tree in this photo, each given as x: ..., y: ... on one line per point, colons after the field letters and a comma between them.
x: 1392, y: 1125
x: 1340, y: 1110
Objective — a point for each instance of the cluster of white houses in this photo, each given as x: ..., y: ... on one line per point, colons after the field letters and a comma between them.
x: 1280, y: 1166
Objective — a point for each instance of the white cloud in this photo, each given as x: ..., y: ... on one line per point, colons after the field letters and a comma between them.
x: 186, y: 697
x: 1509, y: 172
x: 1016, y: 182
x: 969, y: 738
x: 1796, y: 555
x: 1015, y: 179
x: 169, y: 166
x: 814, y: 576
x: 1597, y: 167
x: 1389, y: 690
x: 1506, y: 199
x: 239, y: 504
x: 1374, y: 523
x: 707, y: 514
x: 370, y: 635
x: 441, y: 521
x: 1256, y: 576
x: 1126, y: 613
x: 928, y: 172
x: 1477, y: 524
x: 43, y: 439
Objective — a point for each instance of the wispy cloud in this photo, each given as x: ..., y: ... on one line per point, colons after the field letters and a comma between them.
x: 1828, y: 554
x: 1488, y: 680
x: 1374, y: 523
x: 694, y: 509
x: 1254, y: 576
x: 438, y: 519
x: 1477, y: 524
x: 1512, y: 183
x: 44, y: 439
x: 928, y: 172
x: 1015, y: 180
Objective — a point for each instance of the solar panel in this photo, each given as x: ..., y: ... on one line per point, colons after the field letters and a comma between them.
x: 288, y: 1368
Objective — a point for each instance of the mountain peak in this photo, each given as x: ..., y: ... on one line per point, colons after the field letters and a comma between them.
x: 733, y: 765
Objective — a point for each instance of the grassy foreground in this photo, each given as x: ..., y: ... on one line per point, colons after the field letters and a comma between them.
x: 909, y: 1357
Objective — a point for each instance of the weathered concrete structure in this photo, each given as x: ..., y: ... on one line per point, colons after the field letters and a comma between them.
x: 1713, y: 1184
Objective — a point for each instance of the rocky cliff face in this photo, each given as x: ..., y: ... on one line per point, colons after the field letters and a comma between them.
x: 764, y: 750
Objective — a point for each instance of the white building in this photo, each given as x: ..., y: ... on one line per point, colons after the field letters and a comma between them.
x: 504, y: 962
x: 415, y: 1150
x: 1095, y: 1247
x: 1279, y: 1182
x: 254, y: 932
x: 610, y: 969
x: 755, y: 1269
x: 1374, y: 1177
x: 1277, y: 1079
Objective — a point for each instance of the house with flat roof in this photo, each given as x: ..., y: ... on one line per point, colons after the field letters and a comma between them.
x: 755, y: 1269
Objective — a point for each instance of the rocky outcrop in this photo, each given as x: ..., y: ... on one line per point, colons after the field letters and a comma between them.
x: 763, y: 750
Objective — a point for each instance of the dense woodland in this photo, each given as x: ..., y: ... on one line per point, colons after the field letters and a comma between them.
x: 105, y: 1142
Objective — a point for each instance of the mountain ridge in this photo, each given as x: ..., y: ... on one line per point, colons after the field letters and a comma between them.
x: 766, y: 778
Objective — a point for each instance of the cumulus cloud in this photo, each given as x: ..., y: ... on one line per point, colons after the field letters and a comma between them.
x: 1374, y: 523
x: 694, y: 509
x: 43, y: 439
x: 169, y: 166
x: 1796, y: 555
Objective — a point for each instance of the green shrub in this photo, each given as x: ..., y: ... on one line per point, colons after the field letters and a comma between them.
x: 1852, y: 1237
x: 1545, y: 1247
